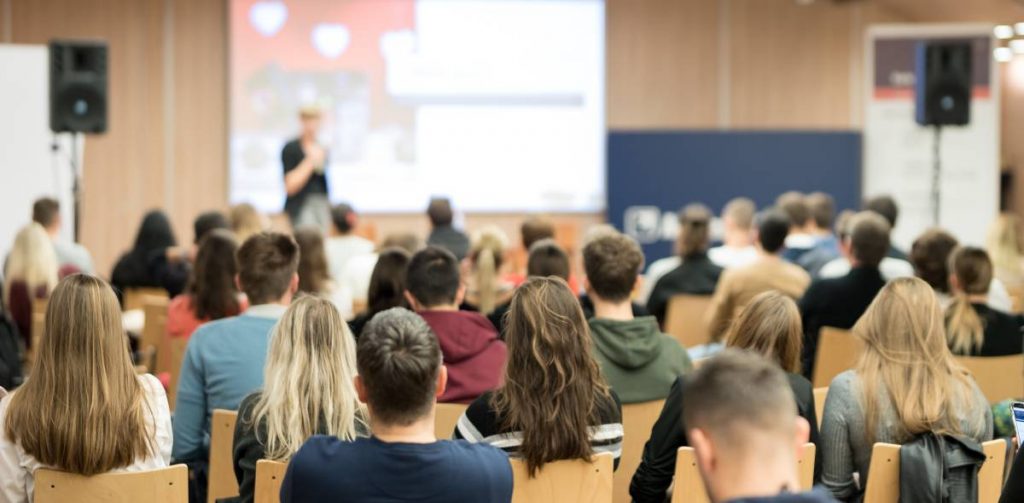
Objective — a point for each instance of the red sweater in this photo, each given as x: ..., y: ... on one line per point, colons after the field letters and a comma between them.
x: 474, y: 356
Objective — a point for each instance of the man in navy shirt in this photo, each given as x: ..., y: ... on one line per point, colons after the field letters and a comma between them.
x: 400, y: 378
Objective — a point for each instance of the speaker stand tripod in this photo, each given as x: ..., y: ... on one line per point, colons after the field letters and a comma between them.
x: 936, y: 174
x: 76, y: 188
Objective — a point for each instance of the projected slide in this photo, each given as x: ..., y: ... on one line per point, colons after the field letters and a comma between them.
x: 498, y: 104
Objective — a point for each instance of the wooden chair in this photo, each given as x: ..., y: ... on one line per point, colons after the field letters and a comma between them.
x: 999, y: 377
x: 819, y: 403
x: 689, y: 487
x: 169, y: 358
x: 570, y: 481
x: 837, y: 352
x: 446, y: 416
x: 269, y: 475
x: 155, y: 329
x: 883, y: 485
x: 134, y: 297
x: 166, y: 485
x: 684, y: 319
x: 637, y: 421
x: 222, y: 482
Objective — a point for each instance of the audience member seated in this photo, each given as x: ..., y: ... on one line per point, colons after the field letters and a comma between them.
x: 554, y: 404
x: 71, y: 256
x: 387, y: 287
x: 547, y: 258
x: 486, y: 292
x: 314, y: 274
x: 739, y: 285
x: 746, y: 437
x: 246, y: 221
x: 593, y: 233
x: 696, y: 274
x: 840, y: 302
x: 442, y: 232
x: 224, y: 359
x: 355, y: 280
x: 886, y: 206
x: 132, y: 269
x: 639, y: 362
x: 904, y: 384
x: 826, y: 245
x: 1004, y: 246
x: 891, y: 268
x: 930, y: 257
x: 308, y: 389
x: 30, y: 275
x: 800, y: 239
x: 770, y: 326
x: 532, y: 230
x: 343, y: 242
x: 211, y: 293
x: 973, y: 328
x: 84, y: 411
x: 737, y: 248
x: 399, y: 375
x: 469, y: 342
x: 173, y: 267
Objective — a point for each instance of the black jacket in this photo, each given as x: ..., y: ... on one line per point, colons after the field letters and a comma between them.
x: 697, y: 275
x: 658, y: 464
x: 291, y: 156
x: 837, y: 303
x: 1013, y: 491
x: 450, y: 239
x: 1002, y: 332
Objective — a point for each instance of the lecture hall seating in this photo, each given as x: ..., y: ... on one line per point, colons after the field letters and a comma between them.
x: 637, y: 421
x: 568, y: 481
x: 820, y: 394
x: 999, y: 377
x: 446, y: 417
x: 269, y: 476
x: 166, y: 485
x: 837, y: 352
x: 689, y: 488
x: 222, y: 483
x: 684, y: 319
x: 884, y: 483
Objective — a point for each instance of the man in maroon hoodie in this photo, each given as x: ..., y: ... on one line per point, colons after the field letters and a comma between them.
x: 474, y: 356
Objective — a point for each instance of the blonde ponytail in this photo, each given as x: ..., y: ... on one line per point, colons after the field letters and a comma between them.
x: 964, y: 330
x: 972, y: 269
x: 486, y: 280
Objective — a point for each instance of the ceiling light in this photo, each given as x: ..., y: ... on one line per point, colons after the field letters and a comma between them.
x: 1003, y: 31
x: 1019, y: 28
x: 1003, y: 54
x: 1017, y: 46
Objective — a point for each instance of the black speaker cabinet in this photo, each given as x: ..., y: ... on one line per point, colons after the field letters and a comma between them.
x: 78, y: 86
x: 943, y: 87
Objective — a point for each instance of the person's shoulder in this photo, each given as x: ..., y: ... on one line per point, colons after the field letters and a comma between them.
x: 844, y: 383
x: 481, y: 420
x: 800, y: 385
x: 320, y: 450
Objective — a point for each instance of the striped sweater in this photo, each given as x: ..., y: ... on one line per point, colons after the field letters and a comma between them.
x: 481, y: 424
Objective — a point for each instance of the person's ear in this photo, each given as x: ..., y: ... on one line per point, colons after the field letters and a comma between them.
x: 294, y: 286
x: 586, y: 286
x: 460, y: 294
x: 636, y: 284
x: 360, y: 388
x: 704, y: 451
x: 802, y: 435
x: 411, y: 300
x: 442, y: 381
x: 238, y: 282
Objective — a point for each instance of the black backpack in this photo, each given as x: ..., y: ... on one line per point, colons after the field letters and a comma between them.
x: 11, y: 351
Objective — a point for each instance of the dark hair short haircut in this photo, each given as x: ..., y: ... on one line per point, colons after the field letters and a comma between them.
x: 266, y: 264
x: 869, y: 238
x: 736, y: 391
x: 398, y: 358
x: 884, y: 205
x: 930, y: 257
x: 535, y: 229
x: 440, y: 212
x: 794, y: 204
x: 207, y: 222
x: 433, y: 276
x: 612, y: 263
x: 822, y: 208
x: 340, y: 215
x: 404, y: 240
x: 772, y: 230
x: 45, y: 211
x: 547, y: 259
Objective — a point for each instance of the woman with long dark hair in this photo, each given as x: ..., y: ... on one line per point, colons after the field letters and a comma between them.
x: 387, y: 286
x: 554, y: 403
x: 211, y: 293
x: 155, y: 236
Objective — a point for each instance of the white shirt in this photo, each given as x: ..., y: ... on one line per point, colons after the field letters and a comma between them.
x: 17, y: 468
x: 354, y: 285
x: 342, y: 248
x: 891, y: 268
x: 655, y: 271
x: 733, y: 256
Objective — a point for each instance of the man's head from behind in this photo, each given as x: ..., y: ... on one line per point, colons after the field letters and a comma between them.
x: 547, y: 259
x: 207, y: 222
x: 440, y: 212
x: 433, y: 280
x: 741, y: 419
x: 535, y: 229
x: 612, y: 263
x: 268, y: 265
x: 885, y: 206
x: 794, y: 204
x: 400, y: 372
x: 772, y: 229
x: 344, y: 218
x: 46, y: 212
x: 868, y: 238
x: 822, y: 208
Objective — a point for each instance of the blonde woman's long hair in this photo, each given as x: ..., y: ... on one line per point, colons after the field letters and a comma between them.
x: 246, y: 221
x: 972, y: 269
x: 1004, y: 244
x: 83, y: 410
x: 32, y: 260
x: 308, y: 384
x: 770, y: 325
x: 905, y: 355
x: 488, y: 248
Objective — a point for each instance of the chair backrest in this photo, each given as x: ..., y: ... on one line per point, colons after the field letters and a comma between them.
x: 446, y: 416
x: 166, y: 485
x: 819, y: 403
x: 155, y: 328
x: 169, y: 358
x: 222, y: 482
x: 637, y: 421
x: 684, y: 319
x: 999, y: 377
x: 269, y: 475
x: 689, y: 487
x: 883, y: 485
x: 837, y: 352
x: 134, y: 297
x: 569, y: 481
